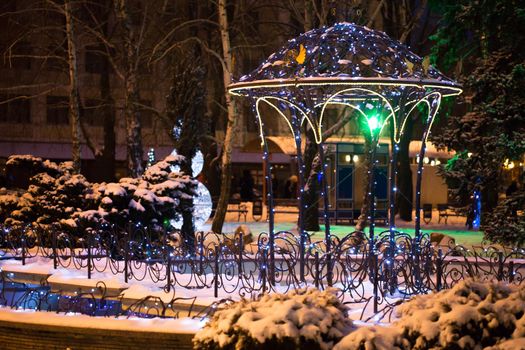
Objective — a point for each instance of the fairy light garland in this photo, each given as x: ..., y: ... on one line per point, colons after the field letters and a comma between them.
x: 346, y: 65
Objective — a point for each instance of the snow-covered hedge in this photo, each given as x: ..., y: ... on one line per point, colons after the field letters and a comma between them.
x: 58, y: 196
x: 472, y: 315
x: 304, y: 319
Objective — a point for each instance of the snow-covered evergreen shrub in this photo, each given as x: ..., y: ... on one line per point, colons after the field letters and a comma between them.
x: 504, y: 224
x: 56, y: 199
x: 305, y: 319
x: 21, y: 167
x: 151, y: 200
x: 472, y: 315
x: 58, y: 196
x: 53, y: 195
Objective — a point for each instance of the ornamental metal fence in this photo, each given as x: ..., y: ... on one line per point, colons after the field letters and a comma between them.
x: 377, y: 273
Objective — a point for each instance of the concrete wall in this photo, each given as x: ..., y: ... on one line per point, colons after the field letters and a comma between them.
x: 433, y: 187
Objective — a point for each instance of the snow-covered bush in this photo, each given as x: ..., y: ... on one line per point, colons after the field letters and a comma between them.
x: 55, y: 195
x: 20, y: 168
x: 151, y: 200
x: 472, y: 315
x: 9, y: 203
x: 304, y: 319
x: 57, y: 198
x: 504, y: 224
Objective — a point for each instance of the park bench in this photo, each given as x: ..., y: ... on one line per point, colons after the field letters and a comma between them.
x: 344, y: 216
x: 235, y: 206
x: 257, y: 209
x: 285, y: 206
x: 445, y: 211
x: 427, y: 213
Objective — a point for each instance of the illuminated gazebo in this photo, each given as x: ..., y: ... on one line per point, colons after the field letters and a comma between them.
x: 378, y: 78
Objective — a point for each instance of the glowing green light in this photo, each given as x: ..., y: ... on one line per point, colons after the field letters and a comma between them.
x: 373, y: 123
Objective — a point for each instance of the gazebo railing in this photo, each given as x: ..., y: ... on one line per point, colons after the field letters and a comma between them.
x: 375, y: 272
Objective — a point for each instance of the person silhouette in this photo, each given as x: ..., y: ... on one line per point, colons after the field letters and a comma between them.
x: 246, y: 185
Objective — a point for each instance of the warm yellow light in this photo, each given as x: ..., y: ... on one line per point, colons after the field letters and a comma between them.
x: 236, y: 87
x: 347, y: 158
x: 469, y: 154
x: 355, y: 158
x: 426, y: 160
x: 433, y: 163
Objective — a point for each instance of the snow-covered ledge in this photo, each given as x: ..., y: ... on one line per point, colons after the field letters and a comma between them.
x: 40, y: 329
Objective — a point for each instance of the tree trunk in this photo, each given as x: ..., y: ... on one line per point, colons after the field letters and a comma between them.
x: 106, y: 160
x: 186, y: 204
x: 404, y: 175
x: 362, y: 221
x: 313, y: 167
x: 222, y: 205
x: 131, y: 111
x: 311, y: 191
x: 74, y: 99
x: 308, y: 12
x: 211, y: 169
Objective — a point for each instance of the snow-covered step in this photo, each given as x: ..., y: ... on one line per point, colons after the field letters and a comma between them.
x: 25, y: 277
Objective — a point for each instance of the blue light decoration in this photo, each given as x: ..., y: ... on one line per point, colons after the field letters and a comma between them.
x: 345, y: 65
x: 477, y: 209
x: 151, y: 157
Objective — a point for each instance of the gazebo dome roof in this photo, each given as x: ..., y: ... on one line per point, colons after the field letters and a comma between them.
x: 345, y: 52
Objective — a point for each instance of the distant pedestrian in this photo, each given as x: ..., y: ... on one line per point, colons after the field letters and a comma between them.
x: 291, y: 185
x: 471, y: 216
x: 275, y: 186
x: 246, y: 185
x: 513, y: 187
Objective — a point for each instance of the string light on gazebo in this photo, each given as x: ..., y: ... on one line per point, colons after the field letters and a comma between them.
x: 377, y: 77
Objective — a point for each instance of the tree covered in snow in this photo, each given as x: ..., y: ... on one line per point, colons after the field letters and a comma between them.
x: 20, y: 168
x: 56, y: 195
x: 304, y: 319
x: 151, y: 200
x: 472, y: 315
x: 185, y: 112
x: 479, y: 41
x: 15, y: 207
x: 504, y: 224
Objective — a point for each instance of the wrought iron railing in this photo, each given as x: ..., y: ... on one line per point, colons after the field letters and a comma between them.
x: 376, y: 273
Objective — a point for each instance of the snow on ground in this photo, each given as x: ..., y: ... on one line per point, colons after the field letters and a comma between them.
x: 136, y: 290
x: 158, y: 325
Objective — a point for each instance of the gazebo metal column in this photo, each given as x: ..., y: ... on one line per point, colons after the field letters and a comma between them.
x: 269, y: 194
x: 296, y: 125
x: 432, y: 100
x: 326, y: 219
x: 372, y: 190
x: 433, y: 106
